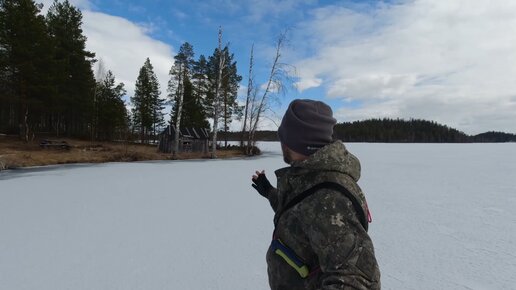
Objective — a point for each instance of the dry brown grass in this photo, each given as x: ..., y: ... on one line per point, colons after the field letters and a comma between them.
x: 15, y: 153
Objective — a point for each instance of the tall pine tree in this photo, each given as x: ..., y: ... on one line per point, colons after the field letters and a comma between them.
x: 227, y: 105
x: 229, y: 92
x: 180, y: 74
x: 111, y: 113
x: 200, y: 87
x: 147, y: 104
x: 184, y: 89
x: 26, y: 60
x: 74, y: 78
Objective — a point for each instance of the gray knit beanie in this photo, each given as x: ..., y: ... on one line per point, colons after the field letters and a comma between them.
x: 307, y: 126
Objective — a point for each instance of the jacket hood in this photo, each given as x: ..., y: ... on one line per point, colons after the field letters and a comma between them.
x: 332, y: 157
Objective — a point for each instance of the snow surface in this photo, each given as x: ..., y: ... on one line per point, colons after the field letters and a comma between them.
x: 443, y: 219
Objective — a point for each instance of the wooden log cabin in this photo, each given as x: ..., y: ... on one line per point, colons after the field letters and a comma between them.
x: 190, y: 140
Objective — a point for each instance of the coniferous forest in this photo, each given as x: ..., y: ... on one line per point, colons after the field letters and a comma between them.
x: 410, y: 131
x: 398, y: 131
x: 46, y: 78
x: 48, y: 85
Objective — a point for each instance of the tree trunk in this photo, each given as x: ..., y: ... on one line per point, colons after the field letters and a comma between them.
x: 248, y: 96
x: 12, y: 116
x: 225, y: 121
x: 252, y: 113
x: 26, y: 124
x: 216, y: 101
x: 24, y: 113
x: 264, y: 99
x: 179, y: 111
x: 154, y: 126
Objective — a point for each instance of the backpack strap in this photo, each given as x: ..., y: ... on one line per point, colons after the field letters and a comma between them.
x: 326, y: 185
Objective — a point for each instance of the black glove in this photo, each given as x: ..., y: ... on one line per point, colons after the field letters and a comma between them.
x: 262, y: 185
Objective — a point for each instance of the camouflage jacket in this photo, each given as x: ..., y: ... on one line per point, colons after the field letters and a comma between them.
x: 323, y: 229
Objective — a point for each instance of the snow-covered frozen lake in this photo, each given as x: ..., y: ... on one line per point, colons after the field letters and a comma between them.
x: 443, y: 218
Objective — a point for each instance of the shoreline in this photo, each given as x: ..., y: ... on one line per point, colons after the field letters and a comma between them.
x: 16, y: 154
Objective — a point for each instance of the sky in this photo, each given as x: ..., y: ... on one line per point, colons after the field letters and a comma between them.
x: 453, y: 62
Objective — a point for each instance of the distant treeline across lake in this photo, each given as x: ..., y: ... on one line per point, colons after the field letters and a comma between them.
x: 395, y: 131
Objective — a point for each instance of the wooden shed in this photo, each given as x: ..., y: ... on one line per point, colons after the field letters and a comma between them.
x: 190, y: 140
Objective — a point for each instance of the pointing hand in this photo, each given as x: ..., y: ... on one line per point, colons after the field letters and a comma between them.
x: 261, y: 183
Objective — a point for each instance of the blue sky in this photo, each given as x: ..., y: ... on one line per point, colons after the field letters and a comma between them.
x: 448, y: 61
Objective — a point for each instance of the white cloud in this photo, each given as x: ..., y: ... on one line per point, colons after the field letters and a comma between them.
x: 372, y: 86
x: 124, y: 46
x: 308, y: 83
x: 148, y: 27
x: 266, y: 123
x: 274, y: 87
x: 449, y: 61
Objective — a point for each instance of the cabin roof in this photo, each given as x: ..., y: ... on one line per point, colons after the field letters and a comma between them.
x: 187, y: 132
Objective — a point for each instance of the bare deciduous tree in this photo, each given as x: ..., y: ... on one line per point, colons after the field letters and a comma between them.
x: 216, y: 100
x: 248, y: 97
x: 180, y: 97
x: 276, y: 84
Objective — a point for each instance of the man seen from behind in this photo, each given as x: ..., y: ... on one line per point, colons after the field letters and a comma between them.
x: 320, y: 239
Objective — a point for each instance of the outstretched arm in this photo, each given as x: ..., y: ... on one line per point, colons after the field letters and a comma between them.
x: 265, y: 188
